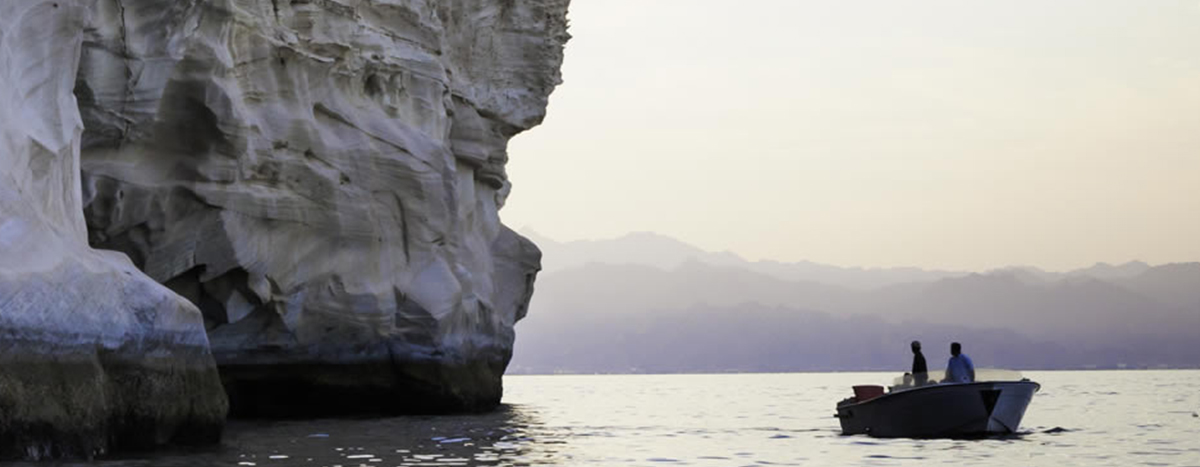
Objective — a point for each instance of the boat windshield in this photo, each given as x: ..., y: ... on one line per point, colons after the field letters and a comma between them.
x: 981, y: 375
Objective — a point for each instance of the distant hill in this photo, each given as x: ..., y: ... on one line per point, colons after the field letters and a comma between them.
x: 1105, y: 271
x: 600, y: 307
x: 1174, y: 284
x: 660, y: 251
x: 641, y: 248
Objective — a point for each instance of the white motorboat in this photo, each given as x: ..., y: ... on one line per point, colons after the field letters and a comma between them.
x: 992, y: 405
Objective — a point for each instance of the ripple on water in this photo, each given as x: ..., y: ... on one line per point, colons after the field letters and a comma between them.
x: 551, y: 427
x: 885, y: 456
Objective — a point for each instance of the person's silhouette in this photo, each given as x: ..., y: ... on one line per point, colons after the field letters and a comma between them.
x: 960, y: 368
x: 920, y: 372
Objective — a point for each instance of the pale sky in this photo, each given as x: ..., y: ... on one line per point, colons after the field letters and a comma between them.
x: 951, y: 134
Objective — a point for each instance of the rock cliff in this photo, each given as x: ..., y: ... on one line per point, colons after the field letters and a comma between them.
x: 322, y: 179
x: 94, y: 355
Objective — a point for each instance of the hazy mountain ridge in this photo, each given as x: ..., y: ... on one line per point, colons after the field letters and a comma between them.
x: 596, y: 316
x: 651, y: 249
x: 661, y: 251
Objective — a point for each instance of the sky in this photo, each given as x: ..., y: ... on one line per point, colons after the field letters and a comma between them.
x: 939, y: 134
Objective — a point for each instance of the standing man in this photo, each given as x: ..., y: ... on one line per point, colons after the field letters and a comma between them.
x: 960, y: 369
x: 920, y: 372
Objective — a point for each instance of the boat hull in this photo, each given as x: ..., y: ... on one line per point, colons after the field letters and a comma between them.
x: 941, y: 411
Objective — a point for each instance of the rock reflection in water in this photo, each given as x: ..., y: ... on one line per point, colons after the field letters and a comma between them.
x: 512, y: 435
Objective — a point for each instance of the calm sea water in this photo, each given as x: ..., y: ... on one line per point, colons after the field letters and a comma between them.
x: 1079, y: 418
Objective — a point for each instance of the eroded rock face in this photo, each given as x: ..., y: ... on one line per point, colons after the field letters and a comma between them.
x: 94, y: 355
x: 322, y: 178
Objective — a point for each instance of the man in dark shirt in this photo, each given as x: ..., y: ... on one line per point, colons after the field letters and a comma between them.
x: 919, y: 371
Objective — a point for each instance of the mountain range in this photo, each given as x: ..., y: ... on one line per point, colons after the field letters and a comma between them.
x: 649, y: 303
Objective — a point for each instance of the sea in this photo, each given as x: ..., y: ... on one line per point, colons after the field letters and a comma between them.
x: 1084, y: 418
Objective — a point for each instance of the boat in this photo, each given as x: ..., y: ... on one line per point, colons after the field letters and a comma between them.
x: 992, y: 405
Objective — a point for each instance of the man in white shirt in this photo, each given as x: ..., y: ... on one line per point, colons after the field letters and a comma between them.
x: 960, y: 369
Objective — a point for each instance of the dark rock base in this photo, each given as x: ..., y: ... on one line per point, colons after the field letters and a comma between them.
x: 302, y: 390
x: 83, y: 403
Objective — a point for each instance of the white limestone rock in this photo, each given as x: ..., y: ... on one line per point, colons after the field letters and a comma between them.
x: 94, y: 355
x: 323, y: 179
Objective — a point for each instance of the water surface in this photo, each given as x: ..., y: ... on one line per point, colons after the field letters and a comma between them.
x: 1079, y: 418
